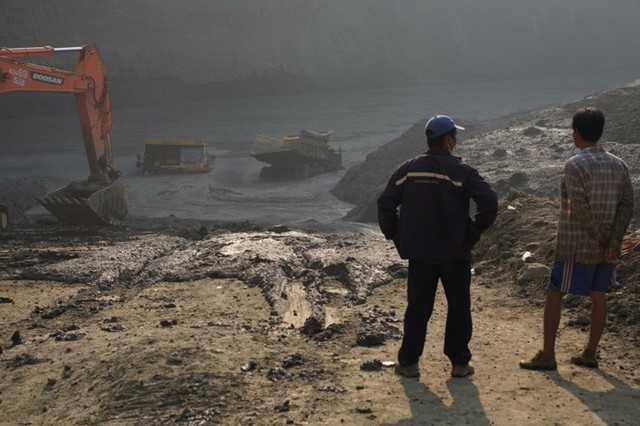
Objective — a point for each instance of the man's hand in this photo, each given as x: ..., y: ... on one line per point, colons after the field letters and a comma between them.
x: 611, y: 254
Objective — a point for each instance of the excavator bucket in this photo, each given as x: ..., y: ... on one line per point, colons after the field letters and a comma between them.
x: 87, y: 203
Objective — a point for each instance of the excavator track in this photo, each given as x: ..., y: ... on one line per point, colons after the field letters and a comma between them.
x: 86, y: 203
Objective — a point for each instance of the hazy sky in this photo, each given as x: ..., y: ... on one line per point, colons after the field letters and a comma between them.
x: 335, y: 42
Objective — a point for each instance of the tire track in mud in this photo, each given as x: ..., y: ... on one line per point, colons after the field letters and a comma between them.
x: 107, y: 266
x: 297, y: 271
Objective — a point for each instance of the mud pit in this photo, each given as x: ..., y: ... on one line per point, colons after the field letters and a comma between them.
x: 295, y: 270
x: 119, y: 293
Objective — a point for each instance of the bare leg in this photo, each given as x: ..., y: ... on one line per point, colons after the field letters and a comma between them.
x: 551, y: 319
x: 598, y: 319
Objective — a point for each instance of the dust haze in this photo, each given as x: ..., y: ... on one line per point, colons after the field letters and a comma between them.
x: 227, y: 71
x: 229, y: 299
x: 203, y: 49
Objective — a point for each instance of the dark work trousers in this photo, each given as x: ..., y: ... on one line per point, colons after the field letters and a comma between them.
x: 421, y: 292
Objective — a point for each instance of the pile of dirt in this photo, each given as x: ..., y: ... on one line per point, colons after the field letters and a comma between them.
x: 20, y: 195
x: 524, y: 151
x: 516, y: 253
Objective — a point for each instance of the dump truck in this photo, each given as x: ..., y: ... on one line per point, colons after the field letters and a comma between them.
x: 185, y: 155
x: 100, y: 198
x: 297, y: 156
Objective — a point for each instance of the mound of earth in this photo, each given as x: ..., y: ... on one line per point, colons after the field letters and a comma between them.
x: 524, y: 151
x: 516, y: 252
x: 20, y: 195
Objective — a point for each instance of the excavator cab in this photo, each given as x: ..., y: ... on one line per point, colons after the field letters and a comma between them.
x: 99, y: 199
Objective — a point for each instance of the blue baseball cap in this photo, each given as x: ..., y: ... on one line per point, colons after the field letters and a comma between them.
x: 440, y: 125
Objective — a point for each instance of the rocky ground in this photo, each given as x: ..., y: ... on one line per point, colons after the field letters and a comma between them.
x: 524, y: 151
x: 197, y: 322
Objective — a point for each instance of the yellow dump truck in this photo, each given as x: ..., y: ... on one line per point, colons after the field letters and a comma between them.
x: 297, y: 156
x: 174, y: 156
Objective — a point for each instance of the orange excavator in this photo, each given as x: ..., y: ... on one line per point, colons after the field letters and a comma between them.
x: 99, y: 199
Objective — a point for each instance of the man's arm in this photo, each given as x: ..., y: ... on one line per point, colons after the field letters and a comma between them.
x: 486, y: 201
x: 624, y: 213
x: 388, y: 203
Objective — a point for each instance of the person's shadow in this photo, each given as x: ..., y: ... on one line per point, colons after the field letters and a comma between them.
x: 618, y: 405
x: 429, y: 409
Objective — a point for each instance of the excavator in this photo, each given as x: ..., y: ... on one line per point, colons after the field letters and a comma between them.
x: 99, y: 199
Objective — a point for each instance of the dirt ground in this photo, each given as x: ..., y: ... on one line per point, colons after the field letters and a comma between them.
x: 189, y: 322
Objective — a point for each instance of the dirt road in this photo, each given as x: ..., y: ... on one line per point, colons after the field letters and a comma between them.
x: 186, y: 338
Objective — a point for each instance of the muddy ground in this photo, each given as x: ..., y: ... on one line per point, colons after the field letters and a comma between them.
x: 191, y: 322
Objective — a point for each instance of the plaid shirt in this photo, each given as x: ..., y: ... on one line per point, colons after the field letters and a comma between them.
x: 596, y: 206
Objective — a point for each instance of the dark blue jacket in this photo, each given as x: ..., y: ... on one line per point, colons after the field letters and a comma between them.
x: 425, y: 207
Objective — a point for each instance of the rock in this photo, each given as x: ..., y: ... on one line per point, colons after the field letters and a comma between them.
x: 532, y: 131
x: 276, y: 374
x: 374, y: 365
x: 533, y: 272
x: 499, y: 153
x: 174, y: 359
x: 249, y: 366
x: 514, y: 194
x: 292, y: 360
x: 16, y: 339
x: 64, y: 336
x: 168, y: 323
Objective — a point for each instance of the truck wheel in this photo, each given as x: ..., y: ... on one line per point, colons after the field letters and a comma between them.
x: 316, y: 169
x: 303, y: 171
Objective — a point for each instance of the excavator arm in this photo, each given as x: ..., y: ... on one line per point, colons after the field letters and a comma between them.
x: 100, y: 199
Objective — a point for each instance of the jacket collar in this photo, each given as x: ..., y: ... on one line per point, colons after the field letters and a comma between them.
x: 592, y: 149
x: 439, y: 151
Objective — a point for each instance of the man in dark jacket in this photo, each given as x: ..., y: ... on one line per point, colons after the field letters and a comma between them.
x: 425, y: 210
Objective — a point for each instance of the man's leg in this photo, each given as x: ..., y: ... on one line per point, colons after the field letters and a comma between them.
x: 598, y: 281
x: 563, y: 278
x: 551, y: 319
x: 456, y: 280
x: 421, y: 290
x: 598, y: 319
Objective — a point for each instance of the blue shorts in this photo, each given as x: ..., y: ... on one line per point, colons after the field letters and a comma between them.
x: 576, y: 278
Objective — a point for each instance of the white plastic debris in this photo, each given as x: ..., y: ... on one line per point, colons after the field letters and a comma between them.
x: 526, y: 255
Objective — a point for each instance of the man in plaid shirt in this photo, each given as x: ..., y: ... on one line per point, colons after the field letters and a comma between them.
x: 596, y: 208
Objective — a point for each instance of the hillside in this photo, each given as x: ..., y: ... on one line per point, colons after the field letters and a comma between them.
x: 525, y: 151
